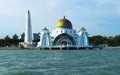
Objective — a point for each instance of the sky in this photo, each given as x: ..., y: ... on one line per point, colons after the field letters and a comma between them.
x: 99, y: 17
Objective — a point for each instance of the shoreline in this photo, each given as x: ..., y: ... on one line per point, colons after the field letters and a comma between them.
x: 35, y: 48
x: 111, y: 48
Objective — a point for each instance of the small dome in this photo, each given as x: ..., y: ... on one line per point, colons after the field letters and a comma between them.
x: 64, y: 23
x: 45, y: 28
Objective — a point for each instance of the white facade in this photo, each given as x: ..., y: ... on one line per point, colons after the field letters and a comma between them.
x: 83, y: 38
x: 28, y: 30
x: 45, y: 38
x: 63, y: 35
x: 57, y: 32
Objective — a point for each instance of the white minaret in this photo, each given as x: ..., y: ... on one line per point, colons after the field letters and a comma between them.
x: 28, y: 30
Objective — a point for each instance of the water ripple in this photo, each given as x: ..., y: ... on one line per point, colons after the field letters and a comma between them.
x: 36, y: 62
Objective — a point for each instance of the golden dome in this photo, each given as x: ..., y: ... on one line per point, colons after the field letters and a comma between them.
x: 64, y: 23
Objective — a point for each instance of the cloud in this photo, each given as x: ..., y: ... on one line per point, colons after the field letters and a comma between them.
x: 92, y: 14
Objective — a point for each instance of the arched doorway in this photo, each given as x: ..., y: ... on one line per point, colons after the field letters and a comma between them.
x: 64, y: 39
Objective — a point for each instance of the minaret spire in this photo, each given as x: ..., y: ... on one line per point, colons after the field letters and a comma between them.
x: 28, y: 30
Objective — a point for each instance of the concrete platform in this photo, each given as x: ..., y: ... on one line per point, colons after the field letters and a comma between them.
x: 71, y: 48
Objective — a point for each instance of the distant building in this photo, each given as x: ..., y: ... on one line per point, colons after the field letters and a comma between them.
x: 15, y: 37
x: 36, y: 36
x: 7, y: 37
x: 22, y: 36
x: 108, y: 37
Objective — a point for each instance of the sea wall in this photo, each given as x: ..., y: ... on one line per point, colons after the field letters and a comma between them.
x: 35, y: 48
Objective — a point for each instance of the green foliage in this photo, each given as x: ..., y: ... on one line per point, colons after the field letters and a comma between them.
x: 109, y: 41
x: 9, y: 42
x: 21, y: 46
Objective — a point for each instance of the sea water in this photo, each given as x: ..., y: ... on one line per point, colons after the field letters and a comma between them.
x: 59, y: 62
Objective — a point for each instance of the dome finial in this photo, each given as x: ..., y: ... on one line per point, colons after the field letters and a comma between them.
x: 63, y: 17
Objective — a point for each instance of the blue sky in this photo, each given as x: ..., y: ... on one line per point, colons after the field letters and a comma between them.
x: 99, y: 17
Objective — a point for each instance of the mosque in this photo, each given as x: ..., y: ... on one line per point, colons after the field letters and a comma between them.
x: 63, y: 36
